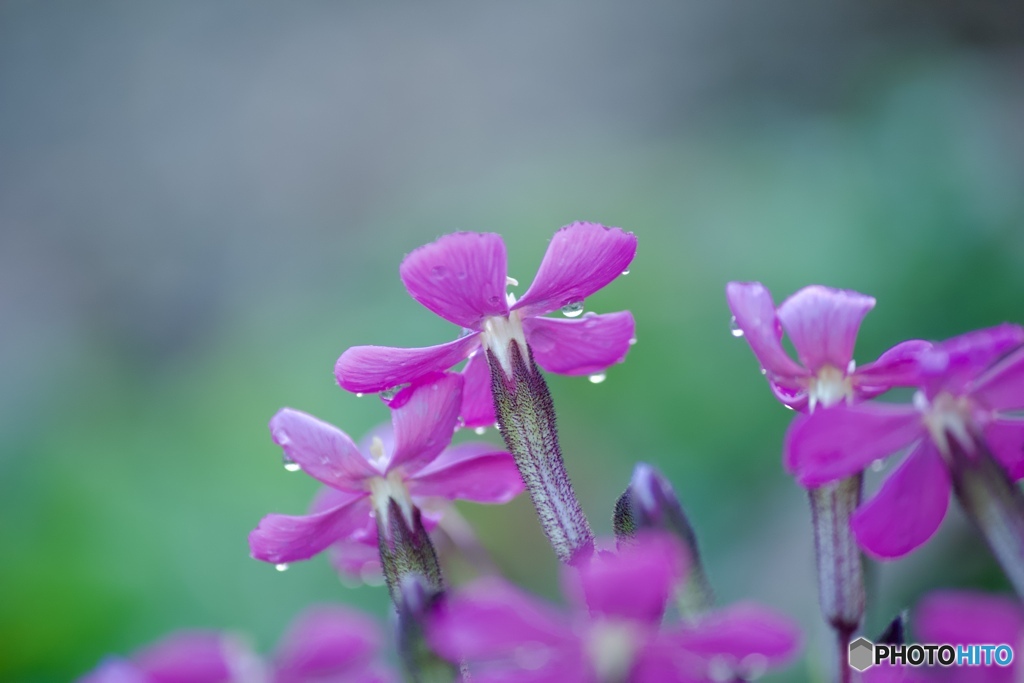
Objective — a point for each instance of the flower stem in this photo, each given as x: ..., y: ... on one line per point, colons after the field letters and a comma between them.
x: 840, y: 575
x: 526, y: 418
x: 993, y: 502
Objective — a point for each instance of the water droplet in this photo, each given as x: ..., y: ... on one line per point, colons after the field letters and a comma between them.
x: 290, y: 464
x: 878, y: 465
x: 282, y: 567
x: 626, y: 271
x: 632, y: 341
x: 597, y: 378
x: 359, y: 394
x: 753, y: 666
x: 573, y: 309
x: 734, y: 328
x: 391, y: 392
x: 480, y: 431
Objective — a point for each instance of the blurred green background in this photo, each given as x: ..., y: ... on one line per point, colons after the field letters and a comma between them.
x: 202, y: 204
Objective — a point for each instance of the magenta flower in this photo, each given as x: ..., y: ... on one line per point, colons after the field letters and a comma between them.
x: 462, y: 278
x: 822, y: 324
x: 410, y: 465
x: 613, y: 631
x: 330, y: 643
x: 962, y: 394
x: 184, y: 657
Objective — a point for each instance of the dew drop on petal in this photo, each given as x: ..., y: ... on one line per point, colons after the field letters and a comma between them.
x: 626, y: 271
x: 597, y: 378
x: 480, y: 431
x: 632, y: 341
x: 282, y: 567
x: 290, y: 464
x: 734, y: 328
x: 573, y: 309
x: 359, y: 394
x: 753, y: 666
x: 391, y: 392
x: 878, y: 465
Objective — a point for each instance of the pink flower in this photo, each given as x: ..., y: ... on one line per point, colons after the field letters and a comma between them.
x: 184, y: 657
x: 962, y: 394
x: 462, y: 278
x: 613, y: 631
x: 410, y: 464
x: 822, y: 324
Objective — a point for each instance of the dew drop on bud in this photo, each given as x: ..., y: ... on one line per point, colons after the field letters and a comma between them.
x: 290, y: 464
x: 282, y: 567
x: 573, y: 309
x: 597, y: 378
x: 734, y: 328
x: 479, y: 431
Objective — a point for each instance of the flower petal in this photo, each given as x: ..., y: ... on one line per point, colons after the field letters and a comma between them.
x: 1002, y: 387
x: 580, y: 347
x: 634, y: 583
x: 114, y: 670
x: 897, y: 367
x: 908, y: 509
x: 323, y: 451
x: 954, y: 364
x: 752, y: 307
x: 287, y: 538
x: 837, y: 442
x: 739, y: 631
x: 491, y: 619
x: 479, y: 472
x: 368, y: 369
x: 823, y: 324
x: 477, y: 399
x: 460, y: 277
x: 581, y: 259
x: 1005, y: 438
x: 424, y: 421
x: 326, y: 641
x: 197, y: 657
x: 968, y: 617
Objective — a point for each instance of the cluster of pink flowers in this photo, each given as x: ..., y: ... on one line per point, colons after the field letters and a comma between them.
x: 640, y: 609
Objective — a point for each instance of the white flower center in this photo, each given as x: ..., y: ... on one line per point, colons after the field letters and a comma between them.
x: 611, y: 645
x: 384, y: 489
x: 499, y: 333
x: 830, y: 386
x: 947, y: 415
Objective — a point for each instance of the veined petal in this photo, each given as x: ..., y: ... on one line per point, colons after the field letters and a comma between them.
x: 323, y: 451
x: 897, y: 367
x: 425, y: 421
x: 968, y: 617
x: 634, y: 583
x: 954, y: 364
x: 581, y: 259
x: 752, y: 307
x: 369, y: 369
x: 326, y: 641
x: 1002, y: 387
x: 823, y: 324
x: 837, y: 442
x: 197, y: 657
x: 286, y: 538
x: 908, y: 508
x: 1005, y: 438
x: 580, y: 347
x: 460, y: 277
x: 477, y: 399
x: 738, y: 631
x: 479, y: 472
x: 491, y: 619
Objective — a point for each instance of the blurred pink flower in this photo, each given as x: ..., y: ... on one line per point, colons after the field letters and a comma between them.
x: 965, y: 390
x: 410, y: 463
x: 462, y: 277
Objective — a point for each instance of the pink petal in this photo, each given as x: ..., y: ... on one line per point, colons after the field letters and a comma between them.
x: 968, y: 617
x: 479, y: 472
x: 897, y: 367
x: 370, y: 369
x: 286, y: 538
x: 491, y: 619
x: 580, y: 347
x: 477, y: 400
x: 1002, y: 387
x: 460, y: 277
x: 114, y: 670
x: 323, y: 451
x: 358, y: 559
x: 955, y: 363
x: 196, y: 657
x: 837, y: 442
x: 908, y: 509
x: 425, y: 421
x: 823, y: 324
x: 635, y: 583
x: 1005, y: 438
x: 581, y: 259
x: 738, y: 631
x: 326, y: 641
x: 752, y: 307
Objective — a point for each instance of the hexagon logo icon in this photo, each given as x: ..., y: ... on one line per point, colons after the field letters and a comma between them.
x: 862, y: 654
